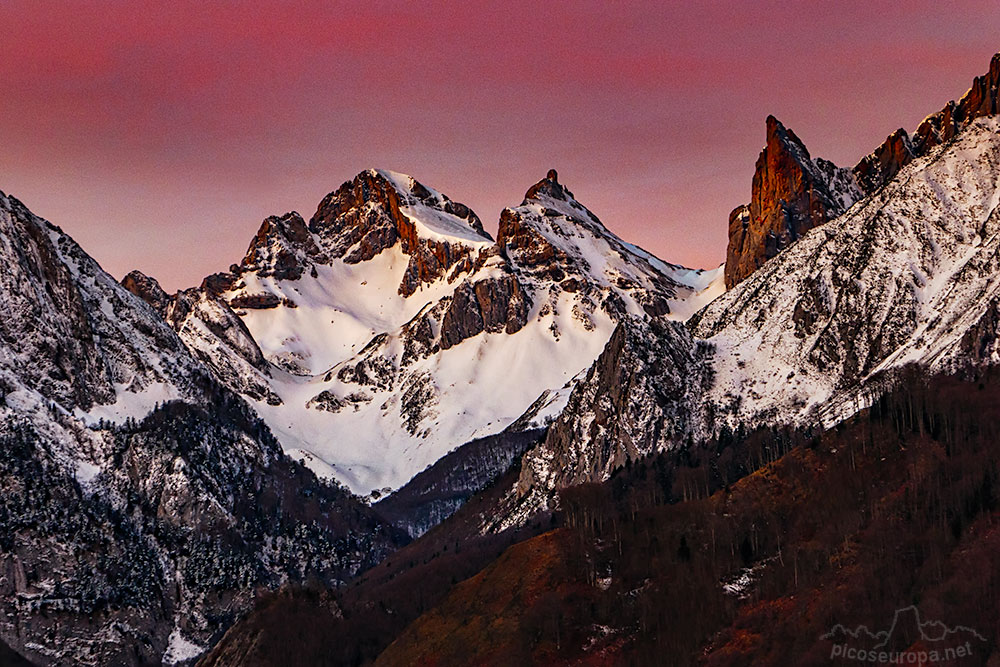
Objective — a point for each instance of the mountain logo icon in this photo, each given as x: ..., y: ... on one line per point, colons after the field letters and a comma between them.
x: 909, y: 640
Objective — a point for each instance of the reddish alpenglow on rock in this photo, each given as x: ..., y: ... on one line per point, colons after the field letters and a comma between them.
x: 793, y: 193
x: 301, y: 407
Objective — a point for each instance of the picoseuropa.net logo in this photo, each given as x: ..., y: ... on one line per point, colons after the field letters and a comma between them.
x: 908, y: 641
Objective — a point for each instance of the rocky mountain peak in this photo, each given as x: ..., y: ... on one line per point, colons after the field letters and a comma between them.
x: 781, y: 138
x: 878, y: 168
x: 538, y: 236
x: 359, y: 219
x: 549, y: 187
x: 148, y: 289
x: 791, y: 194
x: 982, y: 98
x: 885, y: 162
x: 283, y: 248
x: 379, y: 209
x: 413, y: 191
x: 556, y: 245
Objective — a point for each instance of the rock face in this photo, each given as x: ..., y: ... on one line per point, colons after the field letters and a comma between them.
x: 493, y: 305
x: 907, y: 275
x: 881, y: 166
x: 73, y: 334
x: 144, y: 503
x: 373, y: 212
x: 557, y: 245
x: 283, y: 249
x: 792, y: 194
x: 207, y: 321
x: 147, y: 289
x: 642, y: 395
x: 899, y: 148
x: 980, y: 100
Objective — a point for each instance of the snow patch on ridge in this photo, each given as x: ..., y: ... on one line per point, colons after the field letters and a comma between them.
x: 180, y: 649
x: 129, y: 403
x: 433, y: 223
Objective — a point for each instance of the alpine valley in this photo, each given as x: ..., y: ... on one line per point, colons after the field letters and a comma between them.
x: 383, y: 436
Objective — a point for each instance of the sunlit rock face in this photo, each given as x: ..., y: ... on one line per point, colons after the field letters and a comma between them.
x: 392, y: 328
x: 792, y: 193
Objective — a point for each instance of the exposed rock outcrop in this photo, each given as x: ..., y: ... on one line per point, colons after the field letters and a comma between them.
x: 260, y: 301
x: 558, y: 245
x: 788, y: 199
x: 548, y: 186
x: 791, y: 194
x: 881, y: 166
x: 369, y: 214
x: 283, y: 248
x: 491, y: 304
x: 980, y: 100
x: 638, y: 397
x: 205, y: 320
x: 148, y: 289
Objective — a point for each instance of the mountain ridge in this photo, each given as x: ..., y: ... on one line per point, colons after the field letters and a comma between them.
x: 146, y: 503
x: 789, y: 197
x: 172, y: 456
x: 348, y: 322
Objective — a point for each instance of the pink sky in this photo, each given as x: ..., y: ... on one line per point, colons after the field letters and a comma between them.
x: 160, y: 137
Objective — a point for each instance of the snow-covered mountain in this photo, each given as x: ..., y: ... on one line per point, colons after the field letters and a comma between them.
x: 909, y: 274
x: 392, y: 328
x: 792, y: 193
x: 143, y: 503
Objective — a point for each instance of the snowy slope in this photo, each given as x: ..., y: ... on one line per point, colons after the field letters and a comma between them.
x: 910, y: 275
x: 406, y: 331
x: 324, y: 319
x: 144, y: 503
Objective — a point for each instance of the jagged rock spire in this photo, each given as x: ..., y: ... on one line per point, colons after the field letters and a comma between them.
x: 548, y: 186
x: 791, y: 194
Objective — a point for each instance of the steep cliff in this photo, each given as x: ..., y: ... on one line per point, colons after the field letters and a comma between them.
x: 792, y: 194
